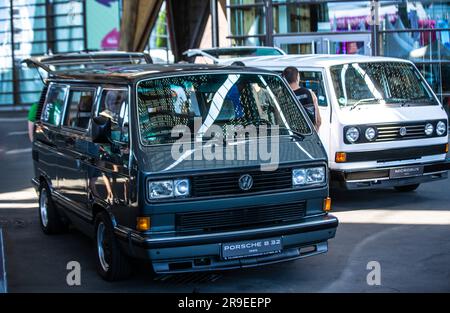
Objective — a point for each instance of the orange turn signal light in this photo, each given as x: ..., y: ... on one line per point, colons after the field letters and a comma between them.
x: 446, y: 148
x: 340, y: 157
x: 143, y: 223
x: 327, y: 204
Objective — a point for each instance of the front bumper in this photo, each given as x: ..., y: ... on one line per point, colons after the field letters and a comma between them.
x: 379, y: 177
x: 203, y: 252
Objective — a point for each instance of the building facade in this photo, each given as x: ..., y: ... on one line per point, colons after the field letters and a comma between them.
x: 35, y: 27
x: 414, y: 30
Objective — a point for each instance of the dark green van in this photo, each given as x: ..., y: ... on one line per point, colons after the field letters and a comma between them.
x: 191, y: 167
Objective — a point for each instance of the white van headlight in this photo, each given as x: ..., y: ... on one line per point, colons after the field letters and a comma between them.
x: 352, y: 134
x: 308, y: 176
x: 429, y: 129
x: 371, y: 133
x: 168, y: 188
x: 440, y: 128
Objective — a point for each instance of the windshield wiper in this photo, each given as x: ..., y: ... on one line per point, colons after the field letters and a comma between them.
x: 294, y: 132
x: 362, y: 101
x: 404, y: 102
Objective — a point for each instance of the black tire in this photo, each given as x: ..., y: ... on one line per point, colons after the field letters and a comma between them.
x: 113, y: 265
x: 49, y: 218
x: 407, y: 188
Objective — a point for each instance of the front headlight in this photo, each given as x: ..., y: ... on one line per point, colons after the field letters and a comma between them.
x: 168, y: 188
x: 371, y: 133
x: 429, y: 129
x: 181, y: 187
x: 440, y: 128
x: 352, y: 134
x: 299, y: 177
x: 308, y: 176
x: 160, y: 189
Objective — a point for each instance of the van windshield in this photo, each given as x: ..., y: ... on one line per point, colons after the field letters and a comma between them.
x: 375, y: 83
x: 215, y: 99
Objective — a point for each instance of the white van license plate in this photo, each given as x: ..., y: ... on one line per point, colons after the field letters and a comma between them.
x: 406, y: 172
x: 249, y: 248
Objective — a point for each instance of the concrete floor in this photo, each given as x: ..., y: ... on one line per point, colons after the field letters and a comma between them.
x: 408, y: 234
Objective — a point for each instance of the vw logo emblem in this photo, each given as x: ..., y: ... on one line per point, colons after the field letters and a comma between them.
x: 402, y: 131
x: 245, y: 182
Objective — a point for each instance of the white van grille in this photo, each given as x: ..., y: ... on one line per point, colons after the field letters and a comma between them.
x: 392, y: 132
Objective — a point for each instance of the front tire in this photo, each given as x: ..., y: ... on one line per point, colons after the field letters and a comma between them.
x: 50, y: 220
x: 112, y: 263
x: 407, y: 188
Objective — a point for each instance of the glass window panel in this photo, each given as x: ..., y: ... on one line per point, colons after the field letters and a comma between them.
x: 216, y: 99
x: 247, y: 21
x: 54, y: 105
x: 79, y: 108
x: 114, y: 105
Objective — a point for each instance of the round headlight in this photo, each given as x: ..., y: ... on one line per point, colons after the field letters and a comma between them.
x: 181, y: 187
x: 371, y: 133
x: 440, y: 128
x: 352, y: 134
x: 429, y: 129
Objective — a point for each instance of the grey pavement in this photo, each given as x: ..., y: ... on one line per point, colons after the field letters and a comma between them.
x: 407, y: 233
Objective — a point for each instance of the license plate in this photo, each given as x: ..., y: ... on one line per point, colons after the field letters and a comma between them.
x: 406, y: 172
x: 249, y: 248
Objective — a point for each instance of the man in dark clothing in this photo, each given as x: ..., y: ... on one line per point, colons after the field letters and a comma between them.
x: 306, y: 96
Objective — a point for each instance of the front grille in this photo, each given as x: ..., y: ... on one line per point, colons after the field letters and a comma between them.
x: 261, y: 215
x: 228, y: 183
x: 392, y: 132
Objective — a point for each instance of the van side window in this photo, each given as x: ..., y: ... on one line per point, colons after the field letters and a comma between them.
x: 314, y: 81
x: 79, y: 108
x: 54, y: 105
x: 114, y: 105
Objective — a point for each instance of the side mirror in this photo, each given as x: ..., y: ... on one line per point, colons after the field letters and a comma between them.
x: 101, y: 129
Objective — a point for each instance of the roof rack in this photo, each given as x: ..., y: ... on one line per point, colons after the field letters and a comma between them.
x: 80, y: 60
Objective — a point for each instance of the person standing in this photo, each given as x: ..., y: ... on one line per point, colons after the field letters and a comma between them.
x: 32, y: 119
x: 306, y: 96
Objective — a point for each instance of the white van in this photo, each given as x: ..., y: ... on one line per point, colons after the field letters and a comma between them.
x: 382, y: 125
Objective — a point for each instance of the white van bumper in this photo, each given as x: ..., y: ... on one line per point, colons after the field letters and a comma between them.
x: 392, y: 176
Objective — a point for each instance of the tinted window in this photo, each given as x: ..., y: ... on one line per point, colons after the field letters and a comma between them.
x: 114, y: 105
x: 314, y: 81
x: 79, y: 108
x: 54, y: 105
x: 220, y: 99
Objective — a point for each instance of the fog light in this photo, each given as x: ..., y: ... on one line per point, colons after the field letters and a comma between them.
x: 327, y: 204
x: 143, y: 223
x: 341, y: 157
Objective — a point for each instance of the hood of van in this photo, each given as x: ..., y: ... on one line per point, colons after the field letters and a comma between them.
x: 164, y: 159
x: 378, y: 114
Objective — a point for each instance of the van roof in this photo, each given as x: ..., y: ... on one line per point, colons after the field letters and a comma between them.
x: 128, y: 73
x: 310, y: 60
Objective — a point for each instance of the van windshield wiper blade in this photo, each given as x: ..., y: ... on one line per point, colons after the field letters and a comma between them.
x: 294, y: 132
x: 404, y: 102
x: 363, y: 101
